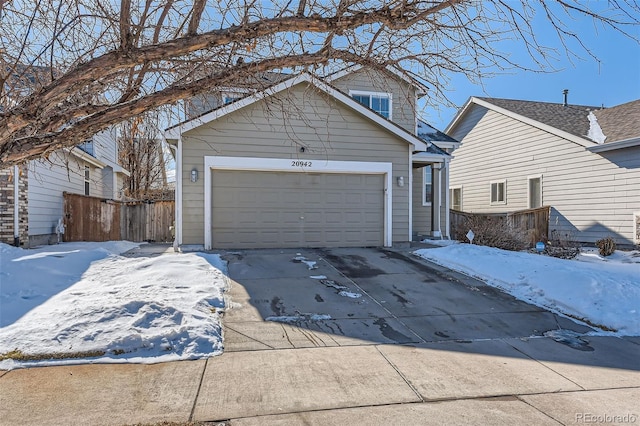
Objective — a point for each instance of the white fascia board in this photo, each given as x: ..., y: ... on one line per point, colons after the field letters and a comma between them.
x: 177, y: 131
x: 549, y: 129
x: 297, y: 166
x: 627, y: 143
x: 87, y: 157
x: 428, y: 158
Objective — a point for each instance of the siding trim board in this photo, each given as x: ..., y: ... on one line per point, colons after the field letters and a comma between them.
x: 296, y: 166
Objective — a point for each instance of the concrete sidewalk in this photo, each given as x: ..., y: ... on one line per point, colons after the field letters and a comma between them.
x: 494, y: 382
x: 418, y: 347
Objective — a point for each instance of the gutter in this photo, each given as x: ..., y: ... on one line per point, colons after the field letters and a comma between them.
x: 88, y: 158
x: 627, y: 143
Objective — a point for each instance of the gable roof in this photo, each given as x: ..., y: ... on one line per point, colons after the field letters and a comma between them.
x: 402, y: 75
x: 174, y: 132
x: 571, y: 118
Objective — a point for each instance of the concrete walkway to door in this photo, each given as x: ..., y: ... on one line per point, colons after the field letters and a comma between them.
x: 367, y: 336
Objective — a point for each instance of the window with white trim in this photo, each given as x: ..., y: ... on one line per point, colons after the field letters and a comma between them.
x: 379, y: 102
x: 499, y: 192
x: 87, y: 179
x: 427, y: 178
x: 535, y: 191
x: 455, y: 195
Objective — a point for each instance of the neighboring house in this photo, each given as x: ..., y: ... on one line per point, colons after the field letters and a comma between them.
x: 90, y: 169
x: 33, y: 217
x: 310, y: 162
x: 583, y: 162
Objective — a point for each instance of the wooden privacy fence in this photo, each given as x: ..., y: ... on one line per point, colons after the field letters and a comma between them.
x: 96, y: 219
x: 534, y: 223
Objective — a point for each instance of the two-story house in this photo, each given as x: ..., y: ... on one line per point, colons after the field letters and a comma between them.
x: 90, y: 169
x: 305, y: 161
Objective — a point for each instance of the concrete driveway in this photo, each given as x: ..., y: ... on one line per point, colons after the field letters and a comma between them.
x: 360, y: 296
x: 366, y: 336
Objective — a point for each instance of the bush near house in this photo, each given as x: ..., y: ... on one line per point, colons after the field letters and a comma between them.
x: 606, y: 246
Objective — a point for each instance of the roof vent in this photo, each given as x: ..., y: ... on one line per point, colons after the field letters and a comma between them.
x: 565, y: 94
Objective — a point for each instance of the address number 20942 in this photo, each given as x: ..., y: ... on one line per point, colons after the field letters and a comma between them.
x: 298, y: 163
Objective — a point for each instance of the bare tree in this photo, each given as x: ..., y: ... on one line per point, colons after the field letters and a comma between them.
x: 71, y: 68
x: 140, y: 151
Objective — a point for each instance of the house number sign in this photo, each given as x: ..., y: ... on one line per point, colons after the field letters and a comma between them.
x: 299, y: 163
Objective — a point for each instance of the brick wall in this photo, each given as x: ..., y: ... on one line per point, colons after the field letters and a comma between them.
x: 7, y: 205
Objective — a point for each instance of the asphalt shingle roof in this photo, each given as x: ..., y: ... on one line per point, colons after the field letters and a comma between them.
x: 617, y: 123
x: 620, y: 122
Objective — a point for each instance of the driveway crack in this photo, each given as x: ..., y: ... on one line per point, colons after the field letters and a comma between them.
x: 400, y: 374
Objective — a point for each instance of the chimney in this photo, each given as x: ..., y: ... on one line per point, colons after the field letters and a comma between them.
x: 565, y: 94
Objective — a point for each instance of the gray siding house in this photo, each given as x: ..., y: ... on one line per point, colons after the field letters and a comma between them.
x: 582, y: 161
x: 91, y: 169
x: 310, y: 162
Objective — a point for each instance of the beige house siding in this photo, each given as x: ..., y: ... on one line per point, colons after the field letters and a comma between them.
x: 327, y: 129
x: 421, y: 213
x: 403, y: 95
x: 592, y: 195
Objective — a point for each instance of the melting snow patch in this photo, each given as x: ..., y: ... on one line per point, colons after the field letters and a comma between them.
x: 333, y: 284
x: 349, y: 294
x: 570, y: 338
x: 299, y: 318
x: 310, y: 263
x: 318, y: 277
x: 595, y: 131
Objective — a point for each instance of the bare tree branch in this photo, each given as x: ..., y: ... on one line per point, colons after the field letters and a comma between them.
x: 70, y: 69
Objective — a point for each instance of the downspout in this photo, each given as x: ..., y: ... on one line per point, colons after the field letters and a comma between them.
x: 440, y: 169
x: 16, y: 206
x: 447, y: 201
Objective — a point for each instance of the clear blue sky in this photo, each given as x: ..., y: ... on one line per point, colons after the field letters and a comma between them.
x: 613, y: 81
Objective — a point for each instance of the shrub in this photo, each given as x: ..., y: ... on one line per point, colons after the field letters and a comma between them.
x: 492, y: 231
x: 606, y: 246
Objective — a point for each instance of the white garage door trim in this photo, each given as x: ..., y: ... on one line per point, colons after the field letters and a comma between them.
x: 295, y: 166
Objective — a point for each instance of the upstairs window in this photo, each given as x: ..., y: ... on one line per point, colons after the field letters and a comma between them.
x: 499, y: 192
x: 379, y: 102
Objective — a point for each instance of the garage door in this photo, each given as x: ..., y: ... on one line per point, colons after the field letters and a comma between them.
x: 280, y: 209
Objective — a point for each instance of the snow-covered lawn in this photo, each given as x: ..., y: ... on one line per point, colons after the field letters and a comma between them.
x: 84, y: 302
x: 602, y: 291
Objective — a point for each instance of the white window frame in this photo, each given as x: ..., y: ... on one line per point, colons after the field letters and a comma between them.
x: 529, y: 179
x: 499, y: 202
x: 389, y: 96
x: 451, y: 189
x: 424, y: 184
x: 87, y: 180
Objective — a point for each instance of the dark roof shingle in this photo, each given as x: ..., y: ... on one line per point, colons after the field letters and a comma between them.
x: 617, y: 123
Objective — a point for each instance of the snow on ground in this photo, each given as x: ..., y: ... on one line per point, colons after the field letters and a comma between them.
x: 85, y: 299
x: 603, y: 291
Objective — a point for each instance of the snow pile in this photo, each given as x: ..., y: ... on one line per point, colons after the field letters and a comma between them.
x: 595, y: 131
x: 85, y: 300
x: 601, y: 291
